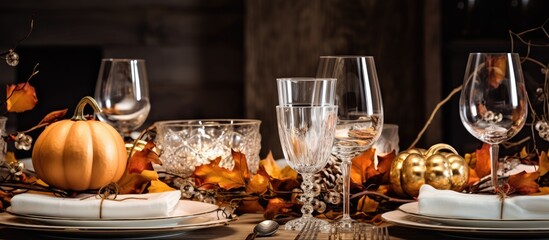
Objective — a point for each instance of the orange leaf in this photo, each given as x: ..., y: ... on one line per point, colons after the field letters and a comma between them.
x: 276, y: 206
x: 139, y: 171
x: 142, y: 160
x: 212, y: 173
x: 543, y: 163
x: 473, y: 178
x: 483, y: 167
x: 524, y: 183
x: 542, y: 191
x: 362, y: 167
x: 21, y: 97
x: 274, y: 171
x: 258, y: 183
x: 159, y: 186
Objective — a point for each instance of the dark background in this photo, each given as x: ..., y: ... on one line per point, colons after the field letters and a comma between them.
x: 220, y: 58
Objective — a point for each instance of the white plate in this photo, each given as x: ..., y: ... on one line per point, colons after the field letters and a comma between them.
x: 185, y: 211
x: 213, y: 219
x: 412, y: 209
x: 408, y: 220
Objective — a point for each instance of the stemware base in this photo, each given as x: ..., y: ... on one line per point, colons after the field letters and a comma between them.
x: 345, y: 224
x: 297, y: 224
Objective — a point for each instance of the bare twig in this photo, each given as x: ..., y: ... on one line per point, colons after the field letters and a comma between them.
x: 439, y: 105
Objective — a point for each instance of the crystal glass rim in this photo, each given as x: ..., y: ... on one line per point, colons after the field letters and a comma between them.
x: 493, y: 53
x: 306, y: 79
x: 122, y: 59
x: 208, y: 122
x: 348, y: 56
x: 322, y: 106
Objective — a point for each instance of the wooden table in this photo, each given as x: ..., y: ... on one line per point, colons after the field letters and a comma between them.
x: 239, y: 229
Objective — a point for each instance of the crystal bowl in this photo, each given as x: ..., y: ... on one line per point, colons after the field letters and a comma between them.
x: 186, y: 144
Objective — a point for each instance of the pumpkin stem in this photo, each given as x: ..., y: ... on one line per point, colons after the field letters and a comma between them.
x: 437, y: 147
x: 79, y: 112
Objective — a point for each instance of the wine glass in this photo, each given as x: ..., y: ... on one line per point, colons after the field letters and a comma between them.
x: 360, y: 114
x: 493, y: 101
x: 122, y: 92
x: 306, y: 119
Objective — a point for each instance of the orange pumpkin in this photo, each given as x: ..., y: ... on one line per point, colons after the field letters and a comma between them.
x: 79, y: 154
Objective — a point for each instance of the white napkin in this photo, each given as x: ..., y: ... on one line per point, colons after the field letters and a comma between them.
x: 448, y: 203
x: 82, y: 206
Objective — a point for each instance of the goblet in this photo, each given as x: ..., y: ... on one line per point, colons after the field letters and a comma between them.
x: 122, y: 93
x: 306, y: 122
x: 360, y: 114
x: 493, y: 102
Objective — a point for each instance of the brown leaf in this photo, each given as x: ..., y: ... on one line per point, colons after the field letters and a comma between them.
x: 366, y: 205
x: 364, y: 169
x: 21, y: 97
x: 361, y: 167
x: 496, y: 67
x: 132, y: 183
x: 524, y: 183
x: 483, y: 167
x: 53, y: 116
x: 275, y: 207
x: 139, y: 171
x: 249, y: 205
x: 543, y: 163
x: 142, y: 160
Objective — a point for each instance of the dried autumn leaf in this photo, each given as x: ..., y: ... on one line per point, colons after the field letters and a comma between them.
x: 159, y: 186
x: 284, y: 179
x: 275, y: 207
x: 361, y: 167
x: 249, y: 205
x: 212, y: 173
x: 483, y: 167
x: 274, y: 171
x: 21, y: 97
x: 384, y: 165
x: 496, y: 67
x: 258, y: 183
x: 524, y: 183
x: 142, y: 160
x: 53, y: 116
x: 543, y: 163
x: 473, y: 178
x: 139, y: 171
x: 132, y: 183
x: 366, y: 205
x: 542, y: 191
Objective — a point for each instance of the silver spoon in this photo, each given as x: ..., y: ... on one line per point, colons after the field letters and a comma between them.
x: 263, y: 229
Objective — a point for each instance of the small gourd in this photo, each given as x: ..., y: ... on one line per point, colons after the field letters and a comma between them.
x: 79, y: 154
x: 442, y: 170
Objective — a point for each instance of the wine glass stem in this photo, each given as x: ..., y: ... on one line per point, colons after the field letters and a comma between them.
x: 346, y: 171
x: 307, y: 198
x: 494, y: 149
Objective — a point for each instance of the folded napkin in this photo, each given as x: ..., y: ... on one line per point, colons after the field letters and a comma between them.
x: 448, y: 203
x: 89, y: 205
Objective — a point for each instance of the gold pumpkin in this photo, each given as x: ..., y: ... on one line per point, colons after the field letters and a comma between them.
x: 415, y: 167
x: 79, y: 154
